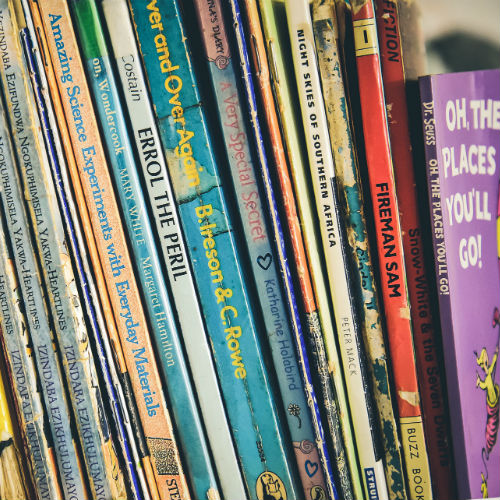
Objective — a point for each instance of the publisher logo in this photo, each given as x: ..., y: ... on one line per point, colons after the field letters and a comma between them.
x: 270, y: 487
x: 371, y: 484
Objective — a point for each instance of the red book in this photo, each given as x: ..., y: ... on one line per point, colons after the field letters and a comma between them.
x: 390, y: 248
x: 436, y: 423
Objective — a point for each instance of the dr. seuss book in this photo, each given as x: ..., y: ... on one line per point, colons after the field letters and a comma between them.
x: 390, y: 248
x: 140, y: 381
x: 250, y: 403
x: 276, y: 77
x: 326, y: 33
x: 461, y: 119
x: 425, y: 335
x: 337, y: 255
x: 156, y: 300
x: 61, y: 151
x: 173, y: 247
x: 244, y: 164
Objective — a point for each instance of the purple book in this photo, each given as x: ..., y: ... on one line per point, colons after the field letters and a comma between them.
x: 461, y: 118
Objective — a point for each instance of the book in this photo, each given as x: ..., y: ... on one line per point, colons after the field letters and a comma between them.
x: 173, y: 247
x: 350, y: 193
x: 16, y: 343
x: 250, y: 402
x: 425, y: 335
x: 28, y: 174
x: 338, y: 262
x: 172, y: 364
x: 63, y: 161
x: 276, y: 88
x: 165, y: 477
x: 460, y: 114
x: 245, y: 157
x: 390, y: 248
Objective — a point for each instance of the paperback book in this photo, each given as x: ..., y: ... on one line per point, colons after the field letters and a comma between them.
x: 461, y: 119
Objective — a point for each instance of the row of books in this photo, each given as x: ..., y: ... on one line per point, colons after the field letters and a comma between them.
x: 196, y: 299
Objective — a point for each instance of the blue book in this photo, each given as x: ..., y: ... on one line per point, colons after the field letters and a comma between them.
x: 122, y: 163
x: 208, y: 228
x: 247, y: 161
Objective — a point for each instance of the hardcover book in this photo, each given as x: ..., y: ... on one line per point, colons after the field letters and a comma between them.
x: 461, y: 119
x: 200, y: 197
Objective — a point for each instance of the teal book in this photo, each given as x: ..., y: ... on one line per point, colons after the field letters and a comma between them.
x: 200, y: 196
x: 122, y: 164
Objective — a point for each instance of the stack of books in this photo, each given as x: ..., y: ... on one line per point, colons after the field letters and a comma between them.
x: 245, y: 253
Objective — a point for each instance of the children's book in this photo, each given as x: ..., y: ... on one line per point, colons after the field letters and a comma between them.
x: 461, y: 121
x: 350, y: 193
x: 250, y: 401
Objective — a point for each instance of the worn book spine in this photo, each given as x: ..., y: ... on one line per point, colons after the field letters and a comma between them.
x: 207, y: 226
x: 243, y: 164
x: 426, y: 338
x: 93, y: 283
x: 338, y: 262
x: 169, y: 480
x: 288, y: 150
x: 17, y: 343
x: 55, y: 132
x: 351, y: 200
x: 197, y: 461
x: 173, y: 246
x: 390, y: 248
x: 99, y: 455
x: 31, y: 160
x: 14, y: 484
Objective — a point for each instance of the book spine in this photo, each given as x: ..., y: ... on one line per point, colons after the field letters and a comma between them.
x: 19, y: 349
x: 157, y: 303
x: 99, y: 454
x: 15, y: 342
x: 242, y: 162
x: 41, y: 74
x: 281, y: 120
x: 31, y: 159
x: 301, y: 335
x: 436, y: 206
x: 14, y: 483
x: 142, y: 373
x: 100, y: 461
x: 334, y: 245
x: 425, y: 335
x: 351, y: 199
x: 390, y: 248
x: 208, y: 230
x: 173, y: 246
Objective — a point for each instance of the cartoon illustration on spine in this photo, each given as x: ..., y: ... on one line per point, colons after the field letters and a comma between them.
x: 485, y: 380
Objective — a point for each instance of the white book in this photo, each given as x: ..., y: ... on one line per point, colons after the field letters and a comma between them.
x: 322, y: 171
x: 173, y: 249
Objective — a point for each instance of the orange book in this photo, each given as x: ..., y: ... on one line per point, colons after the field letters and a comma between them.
x: 132, y: 330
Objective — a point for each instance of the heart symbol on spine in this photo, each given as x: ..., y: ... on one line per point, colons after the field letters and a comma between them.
x: 265, y: 261
x: 311, y: 468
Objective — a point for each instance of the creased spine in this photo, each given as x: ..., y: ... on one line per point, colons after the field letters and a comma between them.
x: 114, y: 256
x: 351, y: 200
x: 31, y: 158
